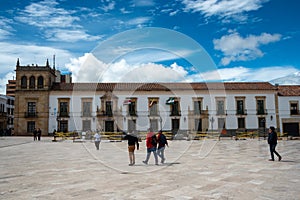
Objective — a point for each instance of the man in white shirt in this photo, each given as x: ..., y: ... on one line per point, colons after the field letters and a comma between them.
x: 97, y: 137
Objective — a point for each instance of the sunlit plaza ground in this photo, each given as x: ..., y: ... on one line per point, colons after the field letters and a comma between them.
x: 204, y: 169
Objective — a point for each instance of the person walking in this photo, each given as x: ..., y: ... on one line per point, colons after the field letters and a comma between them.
x: 34, y: 134
x: 151, y: 144
x: 132, y: 141
x: 97, y: 137
x: 272, y: 141
x: 162, y: 142
x: 39, y: 134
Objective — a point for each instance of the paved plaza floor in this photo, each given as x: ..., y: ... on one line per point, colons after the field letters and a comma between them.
x: 204, y: 169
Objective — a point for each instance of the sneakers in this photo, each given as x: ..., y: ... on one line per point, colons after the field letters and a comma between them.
x: 279, y: 159
x: 163, y: 160
x: 146, y: 163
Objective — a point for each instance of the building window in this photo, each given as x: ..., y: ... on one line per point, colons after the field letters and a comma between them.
x: 32, y: 82
x: 109, y: 126
x: 197, y: 107
x: 86, y: 125
x: 260, y: 106
x: 63, y: 126
x: 30, y: 126
x: 24, y: 82
x: 153, y: 108
x: 221, y: 123
x: 241, y: 123
x: 40, y: 82
x: 131, y: 125
x: 87, y: 109
x: 108, y: 108
x: 175, y: 110
x: 63, y: 109
x: 220, y: 107
x: 132, y: 108
x: 261, y: 122
x: 294, y: 108
x: 198, y: 125
x: 240, y: 108
x: 31, y: 109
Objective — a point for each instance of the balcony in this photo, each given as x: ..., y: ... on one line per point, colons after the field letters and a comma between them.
x: 261, y: 112
x: 104, y: 113
x: 3, y: 114
x: 132, y: 113
x: 175, y: 113
x: 221, y: 112
x: 31, y: 114
x: 295, y: 112
x: 241, y: 112
x: 86, y: 114
x: 63, y: 114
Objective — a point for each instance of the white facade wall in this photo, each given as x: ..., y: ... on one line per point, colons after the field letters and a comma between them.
x: 186, y: 103
x: 285, y: 110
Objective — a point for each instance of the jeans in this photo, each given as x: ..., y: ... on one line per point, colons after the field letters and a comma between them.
x: 149, y: 150
x: 161, y: 153
x: 272, y: 151
x: 97, y: 143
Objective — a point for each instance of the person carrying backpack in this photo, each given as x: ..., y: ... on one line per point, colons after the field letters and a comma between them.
x: 151, y: 144
x: 162, y: 142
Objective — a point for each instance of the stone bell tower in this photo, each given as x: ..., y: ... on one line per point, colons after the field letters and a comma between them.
x: 33, y: 85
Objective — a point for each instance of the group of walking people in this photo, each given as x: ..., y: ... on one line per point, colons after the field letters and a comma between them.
x: 156, y: 144
x: 37, y: 133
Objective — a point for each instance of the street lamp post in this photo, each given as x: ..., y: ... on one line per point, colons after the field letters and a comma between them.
x: 212, y: 120
x: 160, y: 120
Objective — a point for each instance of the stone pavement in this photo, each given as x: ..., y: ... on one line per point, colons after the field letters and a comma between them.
x: 206, y: 169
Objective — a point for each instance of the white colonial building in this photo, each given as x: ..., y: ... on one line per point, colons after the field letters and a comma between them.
x: 45, y: 99
x: 167, y: 106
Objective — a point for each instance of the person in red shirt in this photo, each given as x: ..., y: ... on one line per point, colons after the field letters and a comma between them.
x: 151, y: 144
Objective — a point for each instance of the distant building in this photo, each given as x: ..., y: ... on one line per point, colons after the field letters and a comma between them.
x: 11, y: 88
x: 45, y: 99
x: 6, y: 115
x: 289, y: 111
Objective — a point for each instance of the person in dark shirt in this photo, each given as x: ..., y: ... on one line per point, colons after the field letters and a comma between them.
x: 162, y: 142
x: 132, y: 141
x: 272, y: 141
x: 35, y: 134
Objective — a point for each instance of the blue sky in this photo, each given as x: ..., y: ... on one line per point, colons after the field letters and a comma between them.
x: 247, y: 40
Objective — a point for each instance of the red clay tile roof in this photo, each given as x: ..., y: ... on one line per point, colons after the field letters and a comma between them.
x: 289, y: 90
x: 161, y: 86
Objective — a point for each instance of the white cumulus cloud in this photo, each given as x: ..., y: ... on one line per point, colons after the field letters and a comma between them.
x: 236, y: 48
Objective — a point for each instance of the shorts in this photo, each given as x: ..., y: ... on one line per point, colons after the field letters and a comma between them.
x: 131, y: 148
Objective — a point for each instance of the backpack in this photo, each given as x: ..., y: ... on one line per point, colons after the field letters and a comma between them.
x: 154, y: 140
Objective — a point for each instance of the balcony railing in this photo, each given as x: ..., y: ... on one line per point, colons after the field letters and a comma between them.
x: 86, y: 114
x: 105, y: 113
x: 221, y: 112
x: 31, y: 114
x: 261, y: 112
x: 63, y: 114
x: 153, y: 113
x: 175, y: 113
x: 295, y: 112
x: 241, y: 112
x: 3, y: 114
x: 132, y: 113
